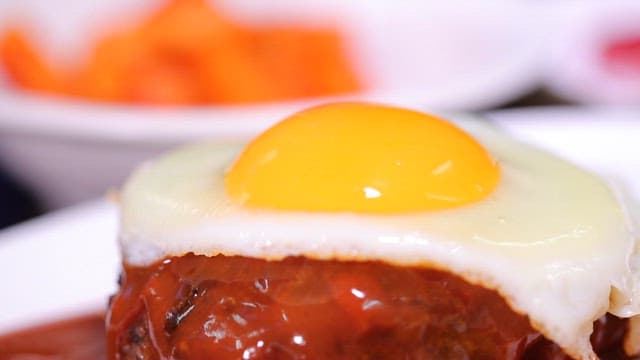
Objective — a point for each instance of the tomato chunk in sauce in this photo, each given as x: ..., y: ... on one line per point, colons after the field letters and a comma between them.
x: 197, y: 307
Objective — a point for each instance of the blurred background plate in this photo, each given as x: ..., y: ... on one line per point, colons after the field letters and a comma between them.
x: 445, y: 55
x: 593, y: 54
x: 67, y: 262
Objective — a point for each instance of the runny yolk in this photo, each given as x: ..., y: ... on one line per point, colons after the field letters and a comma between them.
x: 356, y: 157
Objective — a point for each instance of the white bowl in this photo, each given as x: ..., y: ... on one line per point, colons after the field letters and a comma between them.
x: 443, y: 56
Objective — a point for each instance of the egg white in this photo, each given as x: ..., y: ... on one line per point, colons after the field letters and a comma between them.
x: 553, y: 239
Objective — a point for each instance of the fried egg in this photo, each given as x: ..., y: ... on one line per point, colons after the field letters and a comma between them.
x: 354, y: 181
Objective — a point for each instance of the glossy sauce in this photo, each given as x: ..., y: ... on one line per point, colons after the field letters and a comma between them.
x: 197, y: 307
x: 81, y: 338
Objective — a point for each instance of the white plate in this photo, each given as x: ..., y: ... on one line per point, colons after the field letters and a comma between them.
x: 432, y: 53
x: 67, y: 261
x: 59, y: 264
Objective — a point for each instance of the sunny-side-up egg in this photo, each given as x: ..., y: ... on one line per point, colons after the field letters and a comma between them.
x: 363, y: 182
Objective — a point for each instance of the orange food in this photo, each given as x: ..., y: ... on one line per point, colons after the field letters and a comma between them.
x: 25, y: 67
x: 189, y: 53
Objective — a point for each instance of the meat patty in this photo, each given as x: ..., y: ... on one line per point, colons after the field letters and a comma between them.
x: 197, y: 307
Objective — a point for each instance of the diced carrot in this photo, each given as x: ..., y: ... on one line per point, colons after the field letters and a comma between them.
x: 278, y: 52
x: 188, y: 53
x: 25, y: 66
x: 163, y: 80
x: 188, y: 25
x: 106, y: 74
x: 232, y: 76
x: 333, y: 73
x: 305, y: 62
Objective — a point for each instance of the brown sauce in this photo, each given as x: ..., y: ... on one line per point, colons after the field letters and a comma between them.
x: 197, y: 307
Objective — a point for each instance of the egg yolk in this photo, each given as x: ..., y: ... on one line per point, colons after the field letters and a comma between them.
x: 353, y: 157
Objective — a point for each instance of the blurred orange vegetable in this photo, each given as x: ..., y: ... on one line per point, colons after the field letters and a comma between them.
x: 25, y: 67
x: 188, y: 53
